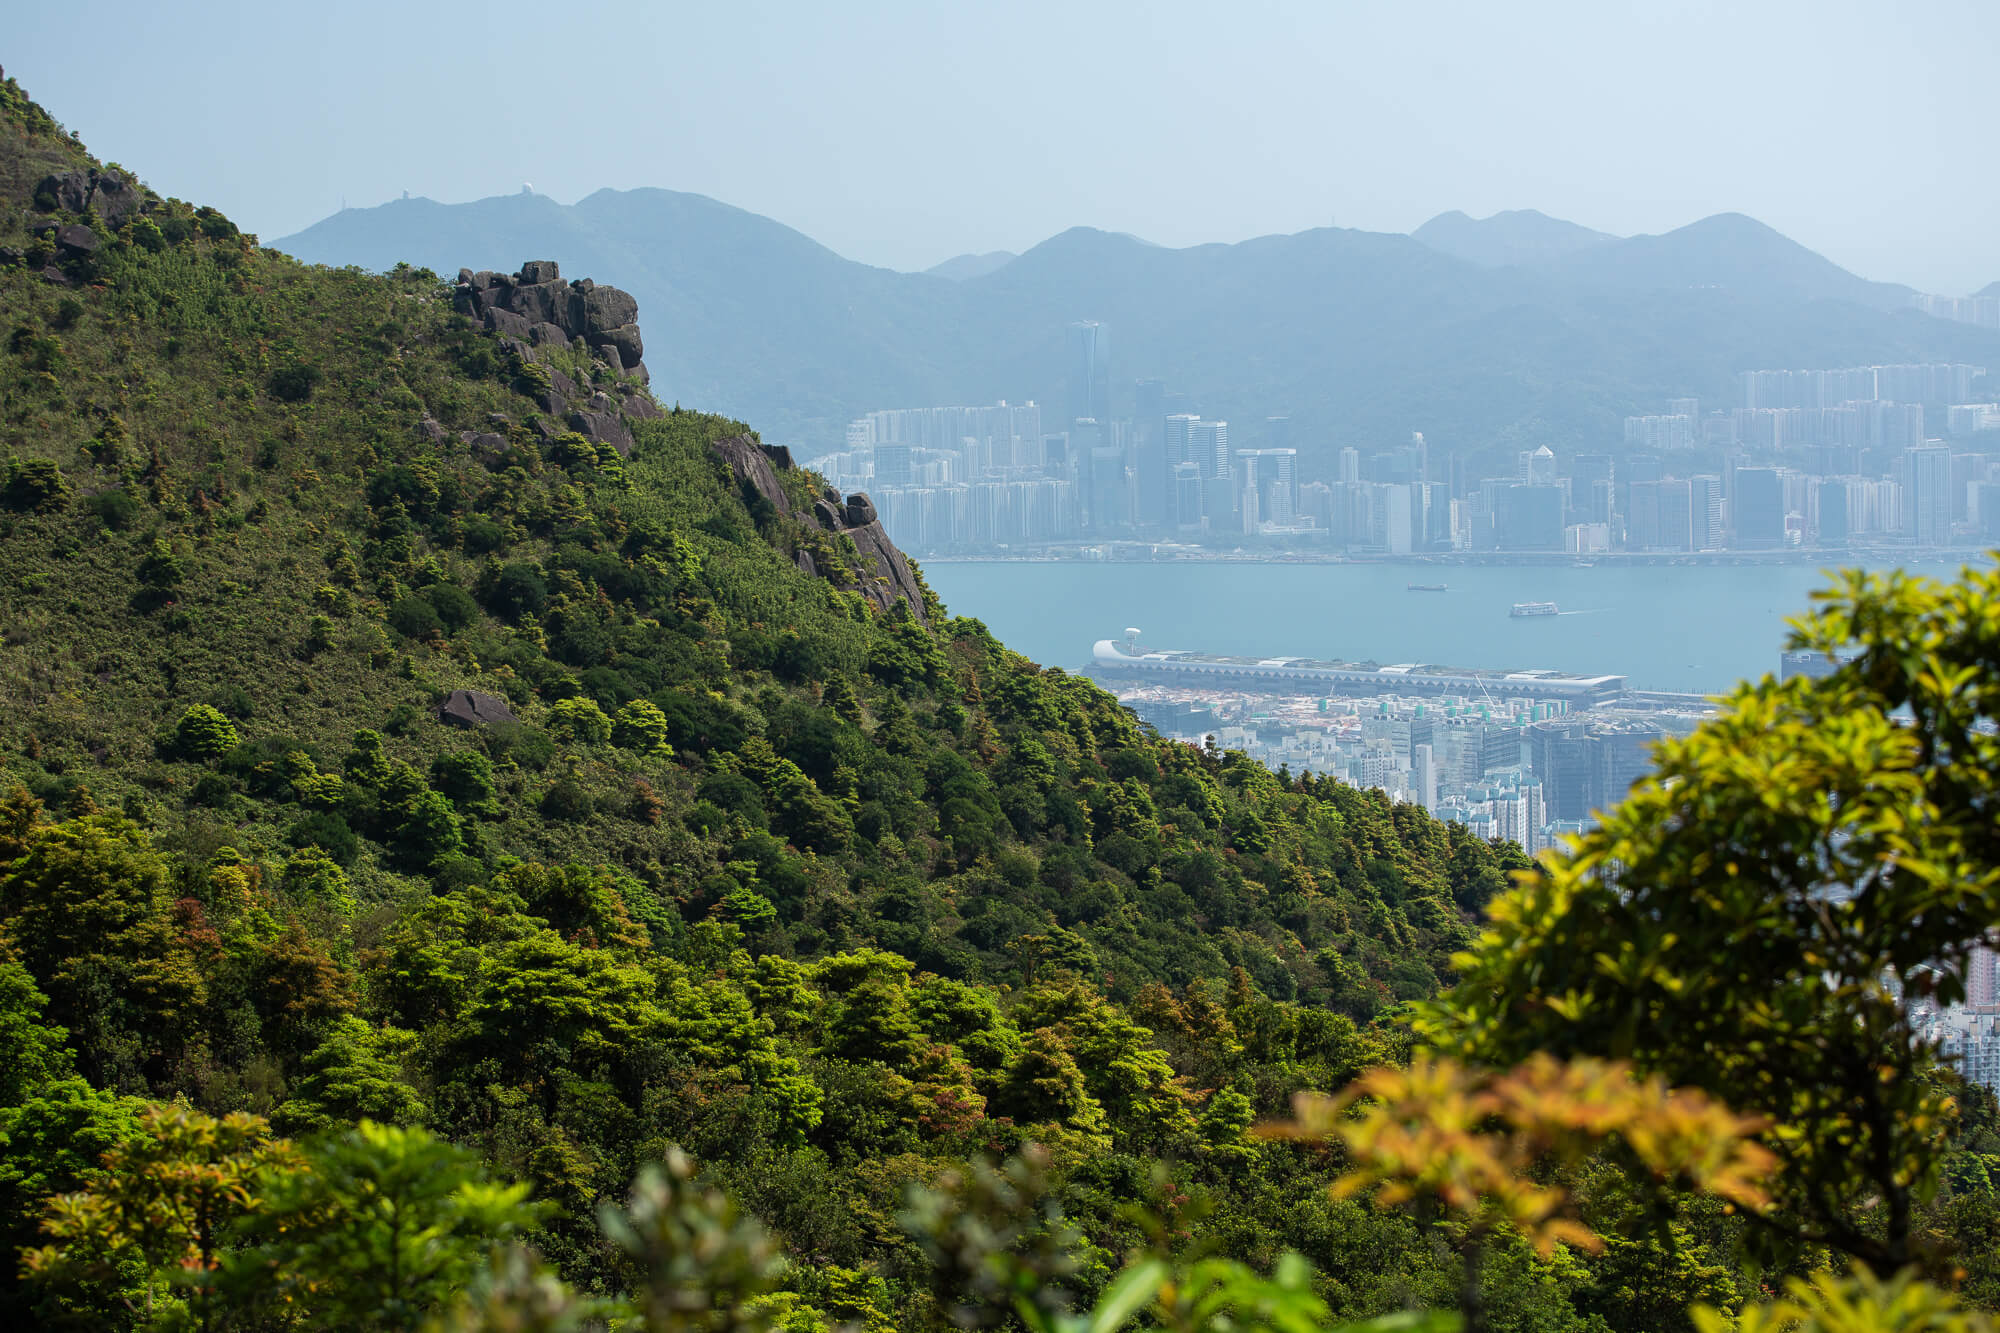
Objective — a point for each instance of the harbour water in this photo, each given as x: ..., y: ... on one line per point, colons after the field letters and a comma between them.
x: 1667, y: 627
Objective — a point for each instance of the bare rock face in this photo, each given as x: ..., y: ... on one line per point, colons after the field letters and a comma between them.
x: 506, y: 322
x: 602, y: 426
x: 751, y: 464
x: 624, y: 343
x: 608, y: 308
x: 886, y: 577
x: 117, y: 198
x: 114, y: 196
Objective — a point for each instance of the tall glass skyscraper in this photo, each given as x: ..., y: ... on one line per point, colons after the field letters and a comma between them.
x: 1089, y: 370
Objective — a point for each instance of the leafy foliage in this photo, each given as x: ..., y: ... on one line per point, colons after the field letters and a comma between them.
x: 1755, y: 918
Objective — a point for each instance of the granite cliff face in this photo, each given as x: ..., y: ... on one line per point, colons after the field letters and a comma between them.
x: 534, y: 310
x: 886, y: 576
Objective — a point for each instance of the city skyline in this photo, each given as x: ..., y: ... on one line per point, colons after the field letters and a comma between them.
x: 1803, y: 459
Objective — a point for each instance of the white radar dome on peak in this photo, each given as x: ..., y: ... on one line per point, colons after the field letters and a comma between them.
x: 1131, y: 632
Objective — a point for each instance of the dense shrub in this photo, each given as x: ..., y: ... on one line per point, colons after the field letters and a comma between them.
x: 34, y: 484
x: 414, y: 617
x: 294, y: 382
x: 115, y: 509
x: 202, y: 733
x: 579, y: 719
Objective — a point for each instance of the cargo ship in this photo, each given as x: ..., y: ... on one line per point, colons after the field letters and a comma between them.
x: 1425, y: 587
x: 1534, y: 609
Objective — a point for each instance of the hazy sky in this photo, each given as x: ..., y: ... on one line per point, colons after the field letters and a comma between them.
x: 903, y: 133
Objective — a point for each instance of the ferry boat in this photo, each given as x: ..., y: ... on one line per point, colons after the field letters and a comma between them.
x: 1534, y: 609
x: 1425, y: 587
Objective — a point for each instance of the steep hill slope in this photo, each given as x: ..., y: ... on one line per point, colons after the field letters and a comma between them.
x: 402, y: 716
x: 1519, y: 236
x: 1359, y: 337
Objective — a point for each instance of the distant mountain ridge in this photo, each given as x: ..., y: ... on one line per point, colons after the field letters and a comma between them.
x: 1727, y: 251
x: 960, y: 267
x: 1360, y: 337
x: 1520, y: 236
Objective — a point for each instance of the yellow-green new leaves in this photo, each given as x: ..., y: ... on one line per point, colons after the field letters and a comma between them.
x: 1857, y: 1303
x: 1474, y: 1141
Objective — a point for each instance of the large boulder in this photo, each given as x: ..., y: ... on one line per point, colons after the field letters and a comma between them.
x: 76, y: 239
x: 540, y: 302
x: 470, y: 708
x: 607, y: 308
x: 540, y: 270
x: 860, y: 509
x: 116, y: 198
x: 623, y: 342
x: 506, y: 323
x: 603, y: 427
x: 67, y: 190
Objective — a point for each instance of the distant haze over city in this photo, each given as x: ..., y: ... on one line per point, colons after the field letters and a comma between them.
x: 1176, y: 122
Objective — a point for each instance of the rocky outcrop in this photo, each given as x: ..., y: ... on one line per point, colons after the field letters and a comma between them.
x: 885, y: 572
x: 891, y: 580
x: 751, y: 462
x: 536, y: 305
x: 109, y: 193
x: 534, y: 310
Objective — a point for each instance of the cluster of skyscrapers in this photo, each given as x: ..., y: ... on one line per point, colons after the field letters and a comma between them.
x: 1841, y: 456
x: 958, y: 478
x: 1854, y: 463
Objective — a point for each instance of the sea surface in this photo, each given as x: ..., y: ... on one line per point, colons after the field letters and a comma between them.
x: 1666, y: 627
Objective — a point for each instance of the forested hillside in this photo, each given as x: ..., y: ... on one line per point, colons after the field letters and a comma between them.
x: 729, y: 855
x: 440, y: 783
